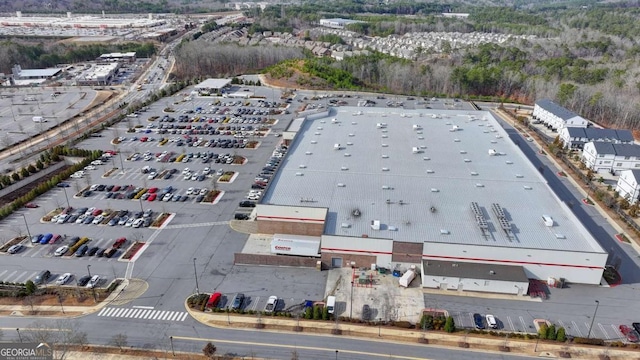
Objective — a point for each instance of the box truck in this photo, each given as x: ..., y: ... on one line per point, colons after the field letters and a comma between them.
x: 407, y: 278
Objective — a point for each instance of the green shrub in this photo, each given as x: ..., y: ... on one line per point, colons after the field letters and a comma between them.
x: 560, y: 335
x: 551, y: 332
x: 588, y: 341
x: 325, y: 313
x: 542, y: 331
x: 308, y: 313
x: 449, y: 325
x: 317, y: 313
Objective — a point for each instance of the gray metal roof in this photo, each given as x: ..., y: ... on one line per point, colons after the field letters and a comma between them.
x: 595, y: 133
x: 556, y: 109
x: 377, y: 173
x: 29, y: 73
x: 617, y: 149
x: 213, y: 84
x: 474, y: 270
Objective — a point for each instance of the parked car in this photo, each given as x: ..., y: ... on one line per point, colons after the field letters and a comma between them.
x: 31, y: 205
x: 629, y: 333
x: 83, y: 280
x: 119, y: 243
x: 100, y: 252
x: 55, y: 239
x: 93, y: 282
x: 247, y: 204
x: 636, y: 326
x: 82, y: 250
x: 109, y: 252
x: 93, y: 251
x: 64, y: 278
x: 272, y: 304
x: 478, y: 321
x: 491, y: 321
x: 15, y: 248
x: 42, y: 277
x: 61, y: 250
x: 45, y: 238
x: 238, y: 300
x: 36, y: 238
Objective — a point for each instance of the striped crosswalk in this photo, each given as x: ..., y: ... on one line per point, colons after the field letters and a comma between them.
x: 145, y: 314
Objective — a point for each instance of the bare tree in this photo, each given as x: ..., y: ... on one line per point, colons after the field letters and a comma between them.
x: 119, y: 340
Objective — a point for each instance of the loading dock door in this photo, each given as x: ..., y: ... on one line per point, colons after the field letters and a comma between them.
x: 336, y: 262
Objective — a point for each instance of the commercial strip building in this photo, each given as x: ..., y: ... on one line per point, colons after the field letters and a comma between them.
x: 213, y: 86
x: 401, y: 187
x: 79, y: 22
x: 119, y: 57
x: 98, y: 74
x: 338, y: 23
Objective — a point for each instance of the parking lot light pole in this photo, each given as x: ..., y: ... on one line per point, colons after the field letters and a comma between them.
x: 336, y: 354
x: 141, y: 209
x: 195, y: 272
x: 93, y: 288
x: 379, y: 327
x: 19, y: 336
x: 593, y: 318
x: 66, y: 196
x: 26, y: 225
x: 351, y: 302
x: 172, y: 350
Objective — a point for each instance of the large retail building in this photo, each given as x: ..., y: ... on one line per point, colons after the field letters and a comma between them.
x: 439, y: 189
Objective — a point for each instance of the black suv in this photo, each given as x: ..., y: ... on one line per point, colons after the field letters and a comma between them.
x: 249, y: 204
x: 237, y: 302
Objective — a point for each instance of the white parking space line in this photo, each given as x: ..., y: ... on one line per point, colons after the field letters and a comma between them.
x: 576, y: 328
x: 524, y: 324
x: 8, y: 278
x: 604, y: 331
x: 458, y: 317
x: 255, y: 302
x: 4, y: 272
x: 616, y: 331
x: 511, y: 324
x: 19, y: 277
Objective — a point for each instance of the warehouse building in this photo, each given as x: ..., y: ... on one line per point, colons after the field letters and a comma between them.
x: 338, y: 23
x: 400, y: 187
x: 213, y: 86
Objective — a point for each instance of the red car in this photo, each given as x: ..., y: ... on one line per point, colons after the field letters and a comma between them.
x: 118, y: 243
x: 96, y: 212
x: 144, y: 139
x: 214, y: 299
x: 631, y: 335
x: 152, y: 197
x: 54, y: 239
x: 152, y: 190
x: 31, y: 205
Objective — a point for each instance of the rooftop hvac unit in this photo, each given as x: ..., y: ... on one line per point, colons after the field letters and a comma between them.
x: 560, y: 236
x: 456, y: 140
x: 473, y: 173
x: 467, y: 160
x: 349, y: 143
x: 347, y: 154
x: 317, y: 133
x: 336, y: 146
x: 299, y: 174
x: 384, y: 156
x: 352, y: 135
x: 334, y: 121
x: 384, y: 136
x: 385, y: 145
x: 434, y: 190
x: 415, y: 150
x: 508, y: 162
x: 479, y: 185
x: 444, y: 232
x: 375, y: 224
x: 417, y: 127
x: 527, y: 187
x: 463, y: 151
x: 308, y: 153
x: 319, y: 128
x: 548, y: 220
x: 429, y: 171
x: 493, y: 152
x: 392, y: 228
x: 519, y: 176
x: 426, y: 158
x: 386, y: 187
x: 344, y: 168
x: 302, y: 166
x: 314, y: 142
x: 345, y: 225
x: 420, y: 137
x: 385, y: 169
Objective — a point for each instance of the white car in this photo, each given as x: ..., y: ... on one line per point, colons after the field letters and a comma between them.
x: 89, y: 167
x: 62, y: 218
x: 272, y: 303
x: 97, y: 220
x: 129, y: 222
x: 220, y: 172
x: 94, y: 187
x: 93, y: 281
x: 206, y: 171
x: 15, y: 248
x: 203, y: 191
x: 187, y: 175
x: 81, y: 218
x: 190, y: 191
x: 186, y: 170
x: 90, y: 211
x: 61, y: 250
x: 55, y: 218
x: 138, y: 223
x: 96, y: 162
x: 152, y: 175
x: 491, y: 321
x: 63, y: 279
x: 167, y: 197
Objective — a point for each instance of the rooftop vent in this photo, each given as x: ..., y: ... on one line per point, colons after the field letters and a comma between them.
x: 352, y: 135
x: 384, y: 156
x: 456, y: 140
x: 492, y: 272
x: 444, y: 232
x: 386, y: 187
x: 354, y: 123
x: 385, y: 169
x: 341, y: 185
x: 467, y: 160
x: 345, y: 225
x: 349, y: 143
x: 314, y: 142
x: 434, y: 190
x: 519, y: 176
x: 319, y: 128
x: 344, y: 168
x: 527, y: 187
x: 375, y: 224
x: 560, y: 236
x: 473, y: 173
x: 347, y: 155
x: 508, y: 162
x: 308, y: 153
x: 385, y: 136
x: 385, y: 145
x: 429, y: 171
x: 420, y: 137
x: 392, y: 228
x: 417, y: 127
x: 426, y: 158
x: 334, y: 121
x: 299, y: 174
x: 302, y: 166
x: 479, y: 185
x: 463, y: 151
x: 317, y: 133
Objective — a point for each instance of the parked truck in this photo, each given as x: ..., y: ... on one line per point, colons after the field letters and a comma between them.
x: 407, y: 278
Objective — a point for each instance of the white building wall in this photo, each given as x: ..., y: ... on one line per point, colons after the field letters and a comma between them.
x: 381, y: 248
x: 627, y: 186
x: 576, y: 267
x: 607, y: 162
x: 479, y: 285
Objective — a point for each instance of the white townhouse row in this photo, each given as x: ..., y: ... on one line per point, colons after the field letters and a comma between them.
x: 603, y: 157
x: 555, y: 117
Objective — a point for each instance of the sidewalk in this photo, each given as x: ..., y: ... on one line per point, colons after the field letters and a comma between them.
x: 487, y: 343
x: 125, y: 292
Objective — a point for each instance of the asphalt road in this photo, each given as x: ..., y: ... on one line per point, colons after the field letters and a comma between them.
x: 191, y: 337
